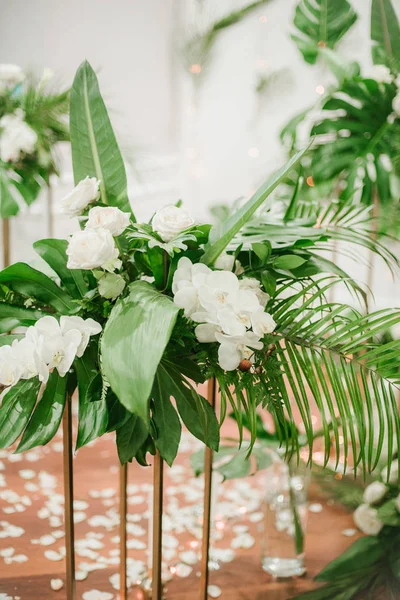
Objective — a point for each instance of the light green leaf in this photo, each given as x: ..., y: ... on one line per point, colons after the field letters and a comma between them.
x: 130, y: 438
x: 134, y: 339
x: 287, y: 262
x: 385, y: 34
x: 363, y: 553
x: 54, y: 253
x: 47, y: 416
x: 263, y: 251
x: 388, y: 513
x: 8, y: 205
x: 95, y: 152
x: 222, y: 235
x: 16, y: 409
x: 7, y: 340
x: 16, y: 316
x: 29, y: 282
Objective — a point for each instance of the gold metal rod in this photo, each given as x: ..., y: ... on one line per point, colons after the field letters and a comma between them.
x: 6, y: 243
x: 69, y: 501
x: 123, y: 481
x: 50, y: 218
x: 208, y: 465
x: 158, y: 487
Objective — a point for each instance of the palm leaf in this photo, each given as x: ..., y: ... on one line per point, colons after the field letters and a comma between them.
x: 321, y: 24
x: 385, y: 34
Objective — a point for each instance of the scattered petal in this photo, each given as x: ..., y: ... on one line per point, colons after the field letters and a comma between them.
x: 96, y: 595
x: 315, y: 508
x: 349, y: 532
x: 214, y: 591
x: 56, y: 584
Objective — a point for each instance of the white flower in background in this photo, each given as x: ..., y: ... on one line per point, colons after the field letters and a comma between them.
x: 226, y: 262
x: 170, y: 221
x: 394, y: 473
x: 375, y: 492
x: 86, y: 327
x: 108, y: 217
x: 396, y: 104
x: 366, y: 519
x: 111, y: 285
x: 83, y: 194
x: 10, y: 75
x: 47, y: 76
x: 234, y: 349
x: 16, y: 137
x: 262, y: 323
x: 10, y: 369
x: 91, y: 249
x: 188, y: 278
x: 26, y: 354
x: 252, y: 284
x: 381, y: 74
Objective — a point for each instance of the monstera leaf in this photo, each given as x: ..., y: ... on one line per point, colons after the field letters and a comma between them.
x: 385, y: 34
x: 321, y: 24
x: 357, y: 142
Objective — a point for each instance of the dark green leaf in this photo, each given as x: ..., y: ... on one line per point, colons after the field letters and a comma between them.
x: 385, y: 34
x: 388, y: 513
x: 16, y: 409
x: 8, y: 205
x: 133, y: 342
x: 16, y: 316
x: 361, y: 554
x: 95, y: 151
x: 166, y: 421
x: 47, y: 415
x: 92, y: 415
x: 269, y: 282
x: 263, y: 251
x: 7, y: 340
x: 288, y: 262
x: 32, y: 283
x: 117, y: 413
x: 54, y: 253
x: 130, y: 438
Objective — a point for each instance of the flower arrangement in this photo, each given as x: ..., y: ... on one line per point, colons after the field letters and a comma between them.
x: 371, y: 564
x: 139, y: 313
x: 32, y: 121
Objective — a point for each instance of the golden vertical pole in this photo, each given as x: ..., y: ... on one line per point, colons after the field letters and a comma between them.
x: 208, y: 465
x: 123, y: 480
x: 69, y: 501
x: 6, y: 243
x: 50, y: 218
x: 158, y: 488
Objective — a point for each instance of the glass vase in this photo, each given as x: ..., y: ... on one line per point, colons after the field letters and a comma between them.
x: 285, y: 518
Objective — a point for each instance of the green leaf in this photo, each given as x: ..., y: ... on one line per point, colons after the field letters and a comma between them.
x: 238, y: 467
x: 130, y: 438
x: 47, y: 415
x: 134, y: 339
x: 222, y: 235
x: 92, y: 414
x: 166, y: 421
x: 7, y: 340
x: 117, y: 413
x: 54, y: 253
x: 320, y: 24
x: 16, y: 409
x: 15, y: 316
x: 263, y: 251
x: 385, y: 34
x: 95, y: 151
x: 269, y: 282
x: 29, y: 282
x: 8, y: 205
x: 196, y: 413
x: 363, y: 553
x: 288, y: 262
x: 389, y: 514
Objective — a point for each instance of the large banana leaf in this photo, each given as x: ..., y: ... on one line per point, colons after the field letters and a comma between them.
x: 321, y: 24
x: 95, y: 152
x: 385, y: 34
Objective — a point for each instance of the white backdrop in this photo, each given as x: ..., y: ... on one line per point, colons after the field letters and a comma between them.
x: 208, y: 138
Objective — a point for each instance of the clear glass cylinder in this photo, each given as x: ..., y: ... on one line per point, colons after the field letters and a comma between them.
x: 285, y: 518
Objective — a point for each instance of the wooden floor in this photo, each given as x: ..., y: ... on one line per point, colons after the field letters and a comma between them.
x: 30, y: 499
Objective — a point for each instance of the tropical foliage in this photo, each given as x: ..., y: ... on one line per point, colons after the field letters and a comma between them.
x: 33, y: 119
x: 255, y: 317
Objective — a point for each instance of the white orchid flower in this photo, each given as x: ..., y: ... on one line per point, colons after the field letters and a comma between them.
x: 234, y: 349
x: 262, y: 323
x: 26, y: 354
x: 10, y: 368
x: 86, y: 327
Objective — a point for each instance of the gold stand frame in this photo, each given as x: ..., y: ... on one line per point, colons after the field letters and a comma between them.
x: 6, y: 242
x: 123, y: 483
x: 69, y: 501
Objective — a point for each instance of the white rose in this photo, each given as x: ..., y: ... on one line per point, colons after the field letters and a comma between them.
x: 83, y: 194
x: 11, y: 74
x: 10, y: 369
x: 170, y: 221
x: 366, y: 519
x: 111, y: 285
x: 91, y: 249
x: 16, y: 137
x: 396, y: 104
x: 108, y: 217
x: 375, y: 492
x: 86, y: 327
x: 262, y: 323
x: 381, y: 74
x: 394, y: 473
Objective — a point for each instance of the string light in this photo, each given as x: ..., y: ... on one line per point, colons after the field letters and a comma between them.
x: 320, y: 90
x: 195, y: 68
x: 253, y: 152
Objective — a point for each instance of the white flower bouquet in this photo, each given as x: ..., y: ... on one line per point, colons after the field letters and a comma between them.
x: 33, y: 118
x: 137, y: 314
